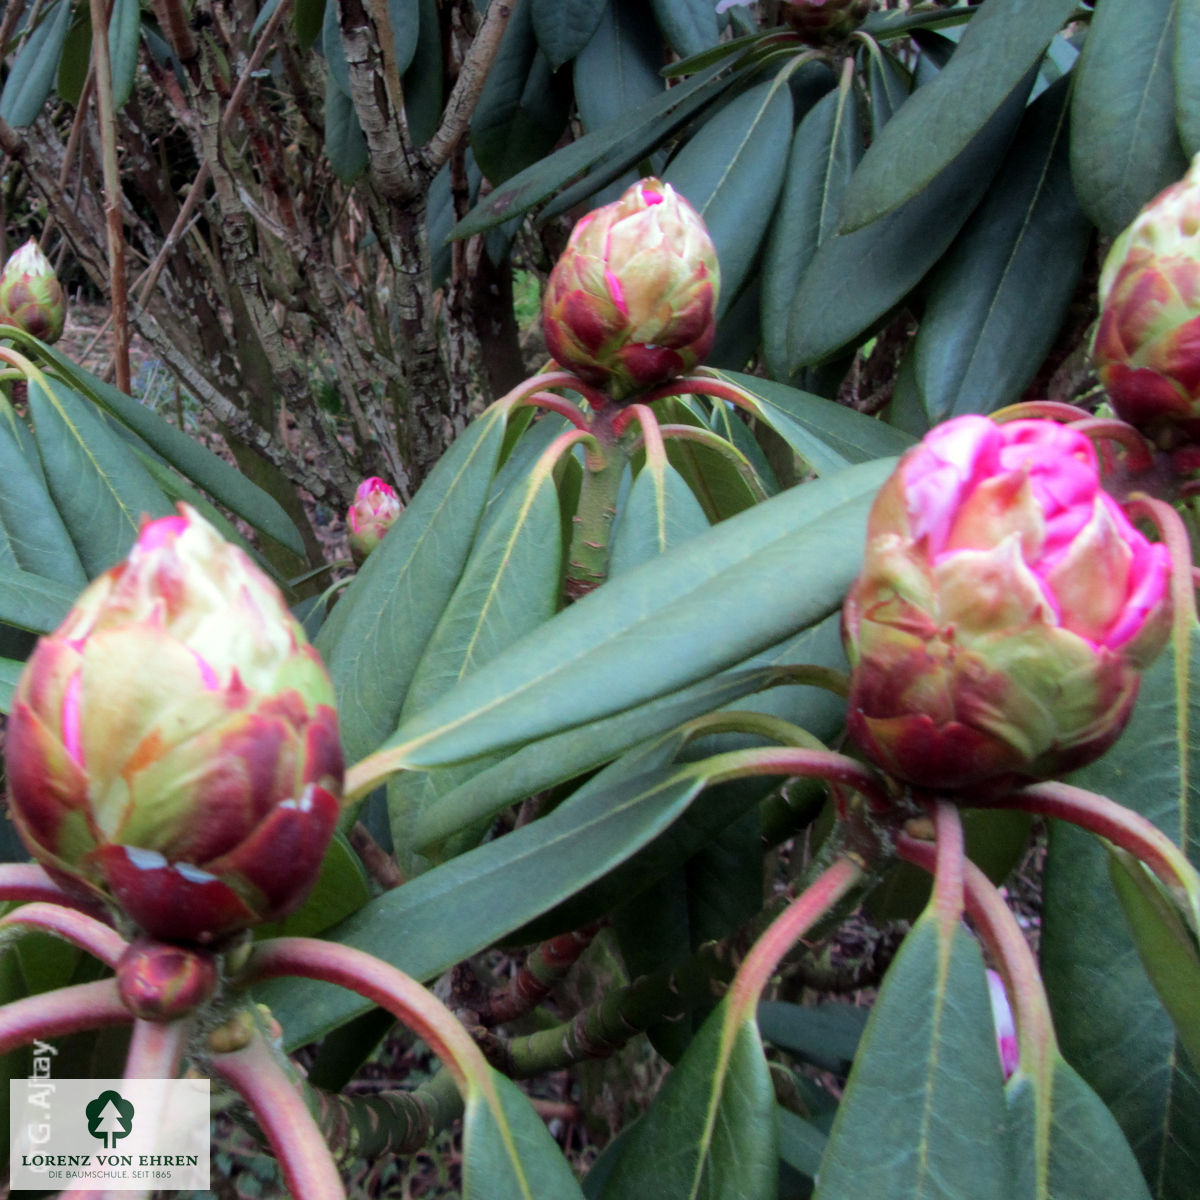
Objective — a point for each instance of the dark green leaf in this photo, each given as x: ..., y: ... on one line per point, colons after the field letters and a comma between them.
x: 618, y: 69
x: 438, y: 919
x: 264, y: 15
x: 35, y: 66
x: 124, y: 38
x: 32, y: 534
x: 307, y: 19
x: 826, y: 1035
x: 710, y: 1133
x: 1187, y: 75
x: 648, y: 633
x: 223, y: 482
x: 335, y: 53
x: 33, y: 602
x: 345, y: 142
x: 406, y: 18
x: 1080, y: 1154
x: 98, y: 485
x: 75, y: 60
x: 10, y: 672
x: 660, y: 512
x: 423, y: 81
x: 1121, y: 1041
x: 377, y: 633
x: 825, y: 150
x: 889, y: 84
x: 564, y: 27
x: 801, y: 1145
x: 1124, y: 143
x: 690, y: 26
x: 1000, y: 46
x: 996, y: 301
x: 732, y: 169
x: 523, y: 107
x: 924, y: 1102
x: 723, y: 482
x: 857, y: 278
x: 620, y: 146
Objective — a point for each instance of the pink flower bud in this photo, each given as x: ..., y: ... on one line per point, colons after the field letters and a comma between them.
x: 173, y: 745
x: 31, y: 297
x: 1147, y: 344
x: 1005, y: 609
x: 161, y: 982
x: 1006, y: 1029
x: 632, y: 301
x: 374, y: 511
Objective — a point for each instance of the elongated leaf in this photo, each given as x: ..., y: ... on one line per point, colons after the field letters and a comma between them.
x: 335, y: 54
x: 33, y: 70
x: 424, y: 80
x: 1187, y: 75
x: 825, y: 151
x: 808, y: 422
x: 32, y: 534
x: 710, y: 1133
x: 33, y: 602
x: 998, y: 49
x: 856, y: 278
x: 564, y: 27
x: 660, y: 512
x: 223, y: 482
x: 889, y: 84
x: 824, y: 1034
x: 10, y: 672
x: 1082, y: 1154
x: 345, y: 142
x: 924, y: 1100
x: 801, y: 1144
x: 595, y: 658
x: 1121, y: 1041
x: 438, y: 919
x: 1124, y: 144
x: 75, y: 60
x: 307, y: 18
x: 405, y: 19
x: 690, y: 26
x: 523, y: 107
x: 621, y: 146
x: 98, y: 485
x: 509, y: 587
x: 124, y: 38
x: 376, y: 635
x: 509, y: 1154
x: 618, y: 68
x: 997, y: 300
x: 732, y: 170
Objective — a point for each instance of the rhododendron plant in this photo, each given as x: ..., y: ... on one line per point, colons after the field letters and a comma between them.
x: 30, y: 295
x: 1005, y: 610
x: 374, y: 511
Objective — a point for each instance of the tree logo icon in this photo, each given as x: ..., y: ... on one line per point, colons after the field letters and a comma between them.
x: 109, y: 1117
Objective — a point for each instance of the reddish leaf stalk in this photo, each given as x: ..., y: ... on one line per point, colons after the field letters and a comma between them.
x: 1117, y: 824
x: 27, y: 881
x: 560, y: 405
x: 98, y: 939
x: 830, y: 887
x: 65, y: 1010
x: 706, y: 437
x: 950, y: 865
x: 157, y: 1048
x: 1174, y: 533
x: 1046, y: 410
x: 1101, y: 429
x: 308, y: 1167
x: 652, y: 433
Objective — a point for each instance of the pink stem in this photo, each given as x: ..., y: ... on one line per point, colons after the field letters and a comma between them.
x: 157, y: 1048
x: 799, y: 761
x: 557, y: 379
x: 1048, y: 410
x: 98, y: 939
x: 27, y: 881
x: 65, y: 1010
x: 782, y: 934
x: 558, y: 404
x: 1141, y: 458
x: 701, y: 386
x: 276, y: 1102
x: 950, y: 865
x: 1116, y: 823
x: 1179, y: 547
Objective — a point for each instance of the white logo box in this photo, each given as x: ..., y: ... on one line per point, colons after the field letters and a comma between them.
x: 57, y: 1141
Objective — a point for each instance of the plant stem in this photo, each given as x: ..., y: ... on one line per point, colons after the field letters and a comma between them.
x: 27, y: 881
x: 587, y: 560
x: 949, y: 867
x: 1117, y: 824
x: 545, y: 967
x: 157, y: 1047
x: 98, y: 939
x: 279, y: 1107
x: 65, y: 1010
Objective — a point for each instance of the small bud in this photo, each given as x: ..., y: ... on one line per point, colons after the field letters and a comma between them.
x: 632, y: 301
x: 1005, y: 610
x: 1006, y: 1029
x: 160, y: 982
x: 31, y: 297
x: 173, y: 747
x: 1147, y: 343
x: 374, y: 511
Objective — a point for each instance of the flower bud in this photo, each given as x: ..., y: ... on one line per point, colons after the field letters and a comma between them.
x: 1005, y: 609
x: 161, y: 982
x: 632, y: 301
x: 374, y: 511
x: 31, y: 297
x: 1006, y: 1028
x: 817, y: 21
x: 1147, y: 343
x: 173, y: 745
